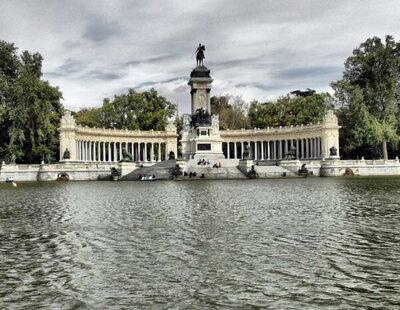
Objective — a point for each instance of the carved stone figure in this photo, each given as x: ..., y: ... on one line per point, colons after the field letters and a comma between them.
x: 291, y: 154
x: 246, y: 152
x: 12, y: 159
x: 333, y: 151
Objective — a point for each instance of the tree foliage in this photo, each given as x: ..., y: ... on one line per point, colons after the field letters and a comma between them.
x: 131, y: 111
x: 231, y: 111
x: 290, y: 110
x: 368, y: 96
x: 30, y: 108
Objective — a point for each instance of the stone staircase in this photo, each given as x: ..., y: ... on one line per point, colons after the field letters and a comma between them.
x: 162, y: 171
x: 228, y: 169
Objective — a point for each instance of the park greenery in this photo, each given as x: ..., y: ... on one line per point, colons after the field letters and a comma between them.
x: 130, y: 111
x: 366, y: 100
x: 30, y: 108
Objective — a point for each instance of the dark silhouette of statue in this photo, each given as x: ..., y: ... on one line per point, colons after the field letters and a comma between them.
x: 200, y: 118
x: 291, y: 154
x: 303, y: 170
x: 200, y: 54
x: 126, y: 156
x: 246, y: 152
x: 333, y: 151
x: 252, y: 173
x: 67, y: 154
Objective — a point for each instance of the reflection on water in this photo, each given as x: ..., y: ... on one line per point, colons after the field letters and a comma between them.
x: 259, y: 244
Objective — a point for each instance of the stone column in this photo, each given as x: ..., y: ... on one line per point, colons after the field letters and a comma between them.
x: 286, y: 147
x: 108, y: 151
x: 297, y: 149
x: 91, y: 151
x: 115, y: 151
x: 120, y: 150
x: 145, y: 152
x: 268, y: 151
x: 151, y: 151
x: 279, y: 149
x: 77, y: 151
x: 241, y: 155
x: 159, y: 151
x: 256, y: 150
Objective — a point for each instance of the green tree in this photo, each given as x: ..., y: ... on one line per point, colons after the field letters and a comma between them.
x: 91, y: 117
x: 231, y: 111
x: 30, y: 108
x: 131, y: 111
x: 305, y: 108
x: 368, y: 95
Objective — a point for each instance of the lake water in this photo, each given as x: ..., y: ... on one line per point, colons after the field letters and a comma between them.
x: 314, y: 243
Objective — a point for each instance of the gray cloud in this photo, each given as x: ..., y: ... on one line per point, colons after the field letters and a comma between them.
x: 105, y: 76
x: 260, y: 49
x: 306, y: 72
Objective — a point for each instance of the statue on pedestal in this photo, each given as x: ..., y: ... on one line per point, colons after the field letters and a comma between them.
x: 200, y: 54
x: 126, y: 156
x: 67, y: 154
x: 201, y: 118
x: 246, y: 152
x: 12, y: 159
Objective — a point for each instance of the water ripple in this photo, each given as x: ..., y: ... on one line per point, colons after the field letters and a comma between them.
x: 262, y: 244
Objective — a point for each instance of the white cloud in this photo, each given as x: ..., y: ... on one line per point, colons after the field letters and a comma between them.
x: 257, y: 49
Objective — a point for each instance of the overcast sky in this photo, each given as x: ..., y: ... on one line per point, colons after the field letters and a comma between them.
x: 255, y: 49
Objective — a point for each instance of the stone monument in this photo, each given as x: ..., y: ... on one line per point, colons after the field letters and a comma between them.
x: 200, y: 135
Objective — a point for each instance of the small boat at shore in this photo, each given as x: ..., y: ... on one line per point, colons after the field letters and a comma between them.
x: 8, y: 180
x: 148, y: 178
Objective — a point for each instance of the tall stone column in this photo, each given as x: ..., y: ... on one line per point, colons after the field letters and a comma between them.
x: 262, y: 149
x: 235, y: 150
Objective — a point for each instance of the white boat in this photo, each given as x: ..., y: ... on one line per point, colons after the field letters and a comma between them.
x: 148, y: 178
x: 8, y: 179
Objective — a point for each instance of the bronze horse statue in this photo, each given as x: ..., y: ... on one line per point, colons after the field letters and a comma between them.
x: 200, y: 55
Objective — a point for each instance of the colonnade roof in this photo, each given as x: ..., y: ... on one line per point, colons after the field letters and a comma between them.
x: 124, y: 133
x: 306, y: 130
